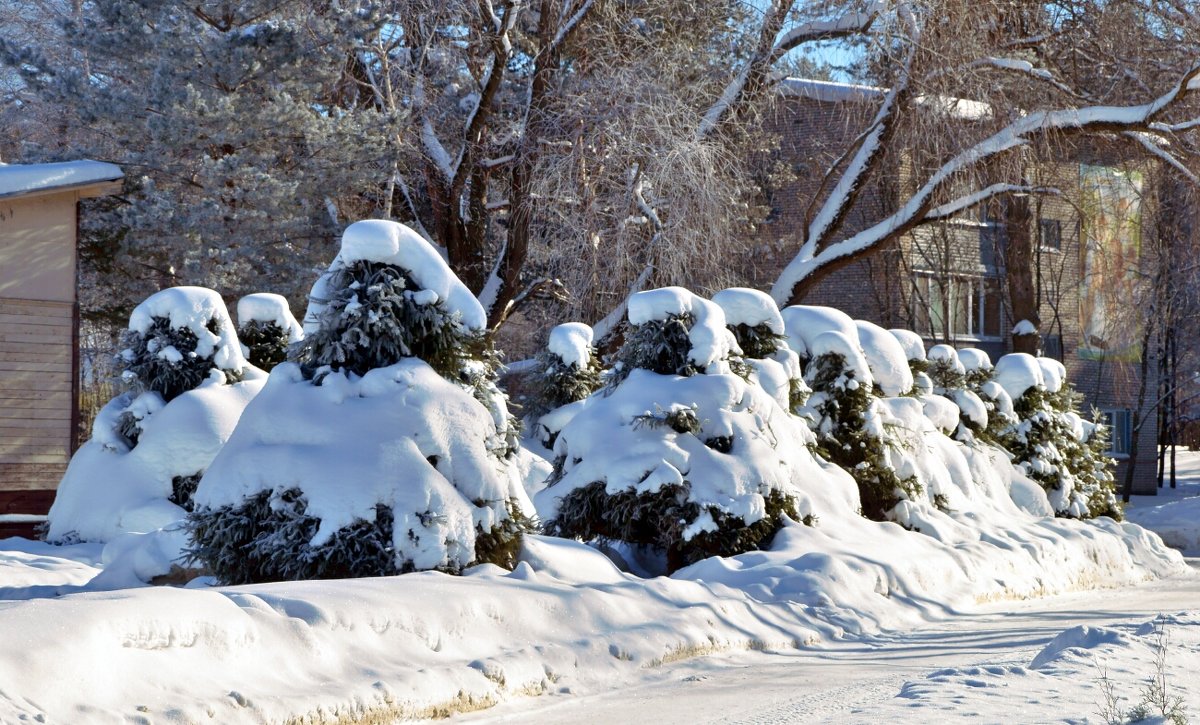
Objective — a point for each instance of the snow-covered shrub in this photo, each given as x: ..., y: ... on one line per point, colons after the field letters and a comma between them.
x: 568, y: 369
x: 886, y: 358
x: 266, y: 329
x: 189, y: 384
x: 681, y: 458
x: 959, y: 376
x: 1049, y: 440
x: 758, y: 328
x: 850, y: 424
x: 364, y: 457
x: 176, y: 337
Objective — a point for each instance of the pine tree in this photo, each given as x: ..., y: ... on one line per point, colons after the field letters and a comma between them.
x: 396, y: 336
x: 677, y: 406
x: 232, y: 121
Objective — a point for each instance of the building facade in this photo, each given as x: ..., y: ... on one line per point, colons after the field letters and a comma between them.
x: 39, y: 315
x: 947, y: 280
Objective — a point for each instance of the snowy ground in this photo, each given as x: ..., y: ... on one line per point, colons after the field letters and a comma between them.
x: 840, y: 625
x: 1174, y: 514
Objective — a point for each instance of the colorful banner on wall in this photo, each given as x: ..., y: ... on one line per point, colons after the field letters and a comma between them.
x: 1111, y: 236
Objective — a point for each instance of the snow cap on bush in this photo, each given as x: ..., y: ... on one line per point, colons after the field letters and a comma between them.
x: 914, y: 346
x: 1054, y: 374
x: 886, y: 357
x: 835, y: 342
x: 974, y: 360
x: 710, y: 341
x: 1017, y: 372
x: 803, y: 323
x: 948, y: 355
x: 194, y: 309
x: 572, y: 343
x: 749, y: 307
x: 387, y: 242
x: 272, y: 308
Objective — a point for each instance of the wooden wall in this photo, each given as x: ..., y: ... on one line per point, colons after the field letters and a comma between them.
x: 37, y: 297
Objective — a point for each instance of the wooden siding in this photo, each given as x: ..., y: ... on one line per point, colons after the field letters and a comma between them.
x: 35, y: 393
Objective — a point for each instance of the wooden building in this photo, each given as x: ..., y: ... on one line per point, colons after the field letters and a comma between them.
x: 39, y: 329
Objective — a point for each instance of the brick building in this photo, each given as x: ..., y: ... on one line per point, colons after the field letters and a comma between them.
x: 947, y: 280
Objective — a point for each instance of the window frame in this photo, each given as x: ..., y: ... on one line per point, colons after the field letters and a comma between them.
x: 924, y: 314
x: 1119, y: 422
x: 1057, y: 225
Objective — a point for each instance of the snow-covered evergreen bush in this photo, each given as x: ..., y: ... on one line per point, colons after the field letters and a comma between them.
x: 679, y: 458
x: 959, y: 376
x: 189, y: 384
x: 568, y: 369
x: 176, y: 337
x: 758, y: 328
x: 386, y: 448
x: 266, y: 329
x: 1051, y: 443
x: 850, y: 424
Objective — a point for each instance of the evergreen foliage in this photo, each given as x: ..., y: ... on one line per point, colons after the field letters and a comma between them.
x: 164, y: 359
x: 183, y: 488
x: 658, y: 519
x: 372, y: 315
x: 559, y: 383
x: 266, y: 341
x: 375, y: 315
x: 844, y: 405
x: 1075, y: 472
x: 758, y: 342
x: 660, y: 346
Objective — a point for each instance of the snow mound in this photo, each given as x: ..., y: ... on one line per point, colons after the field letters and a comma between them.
x: 110, y: 489
x: 886, y: 357
x: 743, y: 445
x: 572, y: 343
x: 407, y: 438
x: 972, y: 407
x: 1017, y: 372
x: 192, y: 309
x: 803, y: 323
x: 388, y: 242
x: 1054, y: 374
x: 749, y: 307
x: 1080, y: 637
x: 838, y: 343
x: 974, y: 360
x: 946, y: 354
x: 914, y: 346
x: 269, y: 307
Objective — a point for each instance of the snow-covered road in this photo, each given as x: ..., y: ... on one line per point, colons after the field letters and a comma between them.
x: 975, y: 665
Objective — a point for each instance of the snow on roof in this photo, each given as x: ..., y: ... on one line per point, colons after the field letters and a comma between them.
x: 18, y: 179
x: 833, y: 92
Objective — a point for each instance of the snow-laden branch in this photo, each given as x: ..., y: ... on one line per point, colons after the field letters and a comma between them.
x: 432, y: 145
x: 1152, y: 146
x: 1012, y: 65
x: 967, y: 201
x: 1016, y: 134
x: 844, y: 193
x: 848, y: 24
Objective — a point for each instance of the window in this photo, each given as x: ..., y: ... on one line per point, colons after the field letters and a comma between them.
x: 1050, y: 231
x: 962, y: 307
x: 1052, y: 346
x: 993, y: 241
x: 1120, y: 430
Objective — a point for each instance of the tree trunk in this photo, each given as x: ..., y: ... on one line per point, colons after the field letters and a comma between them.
x: 1019, y: 271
